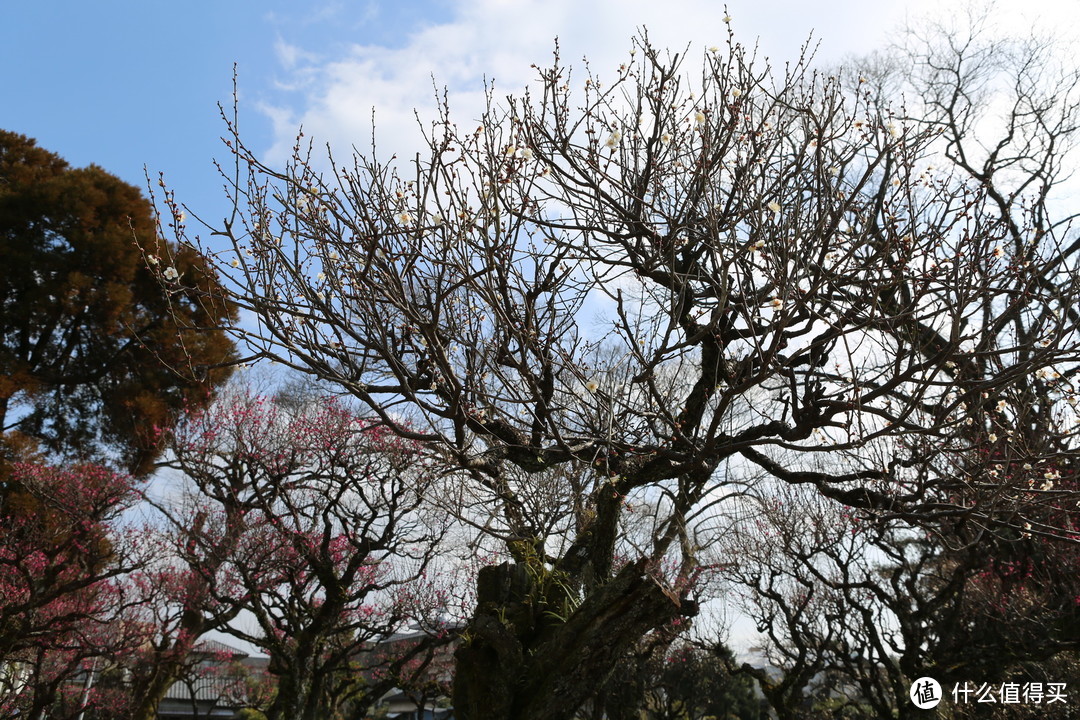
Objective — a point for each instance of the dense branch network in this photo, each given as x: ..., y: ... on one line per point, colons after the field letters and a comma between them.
x: 644, y: 292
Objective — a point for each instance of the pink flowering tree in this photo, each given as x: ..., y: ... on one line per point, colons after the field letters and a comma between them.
x: 312, y: 523
x: 175, y: 608
x: 62, y: 606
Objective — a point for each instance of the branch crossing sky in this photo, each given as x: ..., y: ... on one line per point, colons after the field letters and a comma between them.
x: 134, y: 85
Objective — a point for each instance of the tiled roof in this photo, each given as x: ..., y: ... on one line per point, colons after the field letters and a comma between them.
x: 206, y: 688
x: 213, y: 647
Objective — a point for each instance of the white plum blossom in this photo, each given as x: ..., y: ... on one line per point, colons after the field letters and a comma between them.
x: 665, y: 139
x: 699, y: 117
x: 774, y: 207
x: 170, y: 273
x: 1047, y: 374
x: 592, y: 386
x: 613, y: 139
x: 404, y: 218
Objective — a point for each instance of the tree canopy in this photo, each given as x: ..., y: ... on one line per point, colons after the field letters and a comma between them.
x: 93, y: 356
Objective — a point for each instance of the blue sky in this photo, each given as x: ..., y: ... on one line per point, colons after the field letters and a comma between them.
x: 128, y: 84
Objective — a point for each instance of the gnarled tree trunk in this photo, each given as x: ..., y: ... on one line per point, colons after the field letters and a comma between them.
x: 520, y: 662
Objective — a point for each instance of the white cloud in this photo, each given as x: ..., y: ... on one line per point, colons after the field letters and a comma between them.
x: 497, y: 40
x: 293, y: 56
x: 333, y: 97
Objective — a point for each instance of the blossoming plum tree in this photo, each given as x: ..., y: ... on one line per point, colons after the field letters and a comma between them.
x: 873, y: 603
x: 628, y: 291
x: 60, y: 600
x: 313, y: 522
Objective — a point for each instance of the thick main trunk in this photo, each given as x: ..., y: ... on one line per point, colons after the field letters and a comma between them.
x: 518, y: 662
x: 300, y: 684
x: 150, y: 694
x: 292, y: 699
